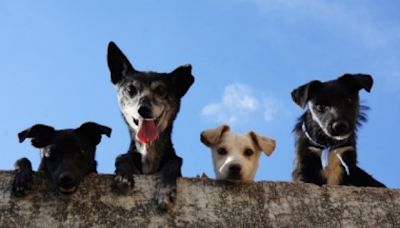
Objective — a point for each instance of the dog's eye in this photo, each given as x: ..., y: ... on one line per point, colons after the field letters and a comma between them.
x: 132, y: 90
x: 321, y: 108
x: 161, y: 91
x: 248, y: 152
x: 222, y: 151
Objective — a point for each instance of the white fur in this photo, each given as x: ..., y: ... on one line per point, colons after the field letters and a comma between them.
x: 129, y: 107
x: 235, y: 145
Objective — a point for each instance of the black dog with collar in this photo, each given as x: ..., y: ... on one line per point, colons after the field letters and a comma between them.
x: 326, y: 132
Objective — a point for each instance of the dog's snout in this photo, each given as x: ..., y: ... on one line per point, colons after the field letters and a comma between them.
x: 145, y: 107
x: 66, y: 178
x: 340, y: 127
x: 145, y: 111
x: 235, y: 168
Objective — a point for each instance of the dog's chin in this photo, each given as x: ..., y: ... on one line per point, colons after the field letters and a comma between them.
x: 234, y: 178
x: 67, y: 190
x: 339, y: 137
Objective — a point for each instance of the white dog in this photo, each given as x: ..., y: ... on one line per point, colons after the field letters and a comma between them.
x: 236, y: 156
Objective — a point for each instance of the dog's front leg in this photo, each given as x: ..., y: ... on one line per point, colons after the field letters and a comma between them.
x: 125, y: 168
x: 166, y: 191
x: 23, y: 176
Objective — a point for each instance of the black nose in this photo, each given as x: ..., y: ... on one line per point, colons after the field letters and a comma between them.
x: 235, y: 169
x: 145, y: 111
x: 340, y: 127
x: 66, y: 178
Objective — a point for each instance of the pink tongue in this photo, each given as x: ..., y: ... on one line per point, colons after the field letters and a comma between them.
x: 148, y: 131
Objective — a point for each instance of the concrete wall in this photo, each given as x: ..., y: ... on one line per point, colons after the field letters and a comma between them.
x: 200, y: 203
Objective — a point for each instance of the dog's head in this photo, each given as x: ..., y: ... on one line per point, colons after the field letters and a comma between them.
x: 67, y: 155
x: 334, y: 105
x: 236, y: 156
x: 149, y: 101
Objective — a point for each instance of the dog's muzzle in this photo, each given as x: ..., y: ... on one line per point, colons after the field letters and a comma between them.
x: 340, y: 127
x: 67, y: 183
x: 234, y: 172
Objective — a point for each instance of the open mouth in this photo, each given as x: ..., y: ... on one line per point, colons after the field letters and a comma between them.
x: 148, y: 129
x: 67, y: 190
x: 157, y: 120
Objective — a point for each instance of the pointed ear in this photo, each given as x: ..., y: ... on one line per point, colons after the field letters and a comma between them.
x: 358, y: 81
x: 182, y: 79
x: 118, y: 64
x: 41, y: 135
x: 211, y: 137
x: 304, y: 93
x: 93, y: 131
x: 263, y: 143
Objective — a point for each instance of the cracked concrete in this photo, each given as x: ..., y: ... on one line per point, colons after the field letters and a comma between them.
x: 200, y: 203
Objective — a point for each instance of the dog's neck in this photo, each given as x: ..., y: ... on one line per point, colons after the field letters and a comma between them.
x: 327, y: 146
x: 322, y: 144
x: 317, y: 136
x: 152, y: 152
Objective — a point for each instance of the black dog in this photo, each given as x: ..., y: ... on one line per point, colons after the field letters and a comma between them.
x: 67, y: 155
x: 149, y: 102
x: 326, y: 132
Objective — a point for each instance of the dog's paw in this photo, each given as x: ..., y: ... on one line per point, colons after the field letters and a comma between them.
x: 23, y: 177
x: 202, y: 176
x: 123, y: 183
x: 166, y: 197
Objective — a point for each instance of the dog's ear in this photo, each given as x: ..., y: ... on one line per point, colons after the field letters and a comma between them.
x: 41, y: 135
x: 263, y: 143
x: 118, y: 64
x: 304, y: 93
x: 93, y: 131
x: 182, y: 79
x: 358, y: 81
x: 213, y: 136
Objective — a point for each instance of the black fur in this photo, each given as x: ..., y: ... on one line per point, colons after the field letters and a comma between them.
x: 336, y: 104
x: 159, y: 158
x: 67, y: 155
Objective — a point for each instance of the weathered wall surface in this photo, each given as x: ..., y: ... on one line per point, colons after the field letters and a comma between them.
x: 200, y: 203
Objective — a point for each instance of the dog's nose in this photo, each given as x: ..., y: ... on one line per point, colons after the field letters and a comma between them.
x: 235, y: 168
x: 145, y: 111
x: 66, y: 178
x: 340, y: 127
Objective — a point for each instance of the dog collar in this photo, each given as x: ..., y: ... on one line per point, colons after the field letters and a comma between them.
x: 325, y: 151
x: 303, y: 128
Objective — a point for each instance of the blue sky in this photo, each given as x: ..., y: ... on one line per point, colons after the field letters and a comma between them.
x: 247, y: 56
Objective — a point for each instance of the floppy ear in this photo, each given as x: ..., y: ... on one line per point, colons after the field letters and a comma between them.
x: 93, y: 131
x: 118, y: 64
x: 41, y: 135
x: 263, y: 143
x: 358, y: 81
x: 211, y: 137
x: 304, y: 93
x: 182, y: 79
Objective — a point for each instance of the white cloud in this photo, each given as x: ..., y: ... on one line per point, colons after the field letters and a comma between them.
x: 239, y: 96
x: 240, y: 104
x: 271, y: 108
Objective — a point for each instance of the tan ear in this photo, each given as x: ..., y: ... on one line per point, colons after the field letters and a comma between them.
x: 263, y: 143
x: 212, y: 136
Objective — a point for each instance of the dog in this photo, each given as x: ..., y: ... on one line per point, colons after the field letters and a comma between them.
x: 67, y: 155
x: 149, y: 102
x: 326, y: 132
x: 236, y: 156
